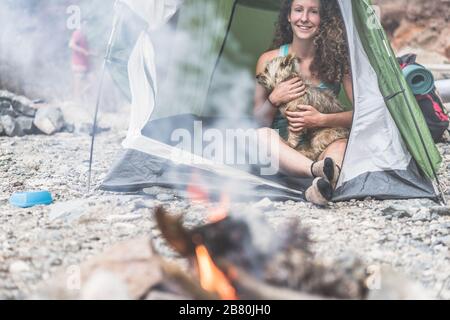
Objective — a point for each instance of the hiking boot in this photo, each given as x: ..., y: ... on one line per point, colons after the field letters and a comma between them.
x: 320, y: 193
x: 327, y: 169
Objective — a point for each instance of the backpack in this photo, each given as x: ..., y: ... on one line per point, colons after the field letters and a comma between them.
x: 436, y: 115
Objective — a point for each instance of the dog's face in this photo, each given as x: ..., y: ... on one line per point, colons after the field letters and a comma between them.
x: 279, y: 70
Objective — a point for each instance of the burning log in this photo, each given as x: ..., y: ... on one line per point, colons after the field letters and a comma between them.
x: 172, y: 230
x: 289, y: 272
x: 253, y: 288
x: 188, y: 284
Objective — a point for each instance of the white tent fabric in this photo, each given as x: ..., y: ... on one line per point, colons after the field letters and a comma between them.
x: 383, y: 148
x: 144, y: 89
x: 141, y: 67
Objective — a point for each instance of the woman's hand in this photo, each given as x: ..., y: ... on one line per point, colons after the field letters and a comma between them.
x: 307, y: 117
x: 287, y: 91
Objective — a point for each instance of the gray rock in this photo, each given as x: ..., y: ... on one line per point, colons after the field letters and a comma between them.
x: 422, y: 215
x: 9, y: 126
x: 6, y: 95
x: 24, y: 106
x: 8, y: 110
x: 442, y: 241
x: 435, y: 216
x: 68, y: 127
x: 49, y: 120
x: 264, y: 204
x: 441, y: 211
x: 152, y: 191
x: 4, y: 105
x: 68, y: 211
x: 143, y: 205
x: 24, y: 126
x: 18, y: 267
x: 165, y: 197
x: 399, y: 211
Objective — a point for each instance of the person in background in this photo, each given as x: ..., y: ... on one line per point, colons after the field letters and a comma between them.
x: 81, y: 63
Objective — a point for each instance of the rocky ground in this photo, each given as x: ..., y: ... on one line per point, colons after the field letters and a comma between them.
x: 409, y: 236
x: 418, y: 26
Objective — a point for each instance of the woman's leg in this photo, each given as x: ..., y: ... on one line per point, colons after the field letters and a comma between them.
x: 335, y: 151
x: 290, y: 161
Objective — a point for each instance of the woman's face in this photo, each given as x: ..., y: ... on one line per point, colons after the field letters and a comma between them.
x: 305, y: 18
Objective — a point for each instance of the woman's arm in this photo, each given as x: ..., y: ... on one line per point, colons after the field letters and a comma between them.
x: 75, y: 47
x: 309, y: 117
x: 266, y: 107
x: 337, y: 120
x: 263, y: 110
x: 348, y: 87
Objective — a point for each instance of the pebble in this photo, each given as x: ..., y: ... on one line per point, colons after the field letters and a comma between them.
x: 264, y: 204
x: 422, y: 215
x: 19, y: 267
x: 398, y: 211
x: 165, y: 197
x: 441, y: 211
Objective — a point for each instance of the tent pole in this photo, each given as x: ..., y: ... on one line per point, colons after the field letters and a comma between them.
x: 100, y: 94
x: 222, y: 48
x: 403, y: 92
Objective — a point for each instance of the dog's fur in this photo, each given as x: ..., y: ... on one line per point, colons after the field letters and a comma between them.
x: 315, y: 140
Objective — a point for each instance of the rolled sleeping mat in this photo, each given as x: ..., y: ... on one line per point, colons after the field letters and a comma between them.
x: 443, y: 88
x: 419, y: 78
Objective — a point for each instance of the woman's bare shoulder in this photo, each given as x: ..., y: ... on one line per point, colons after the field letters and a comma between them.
x: 265, y: 58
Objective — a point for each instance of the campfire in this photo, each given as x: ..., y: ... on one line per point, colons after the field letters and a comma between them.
x: 240, y: 256
x: 227, y: 263
x: 232, y: 256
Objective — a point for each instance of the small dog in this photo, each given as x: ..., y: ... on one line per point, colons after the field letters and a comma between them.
x: 315, y: 140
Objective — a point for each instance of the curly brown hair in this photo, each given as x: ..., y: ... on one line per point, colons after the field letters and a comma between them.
x: 331, y: 62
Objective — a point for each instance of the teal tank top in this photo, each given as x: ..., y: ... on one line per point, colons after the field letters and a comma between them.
x: 280, y: 123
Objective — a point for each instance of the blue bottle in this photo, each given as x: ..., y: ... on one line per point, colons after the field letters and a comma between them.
x: 31, y: 199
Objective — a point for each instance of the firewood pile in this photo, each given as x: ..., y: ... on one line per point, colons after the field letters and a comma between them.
x: 231, y: 263
x: 19, y: 116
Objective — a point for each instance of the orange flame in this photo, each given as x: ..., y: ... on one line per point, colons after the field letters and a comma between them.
x: 211, y: 278
x: 198, y: 194
x: 195, y: 192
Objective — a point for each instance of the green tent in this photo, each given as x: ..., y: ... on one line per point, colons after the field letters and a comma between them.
x: 197, y: 63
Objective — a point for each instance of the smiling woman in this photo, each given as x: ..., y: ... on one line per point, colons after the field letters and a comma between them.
x: 313, y: 31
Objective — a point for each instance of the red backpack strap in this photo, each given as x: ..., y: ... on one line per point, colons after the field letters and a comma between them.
x: 439, y: 108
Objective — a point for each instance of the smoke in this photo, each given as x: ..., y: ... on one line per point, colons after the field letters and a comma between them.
x: 34, y: 37
x: 190, y: 80
x: 187, y: 65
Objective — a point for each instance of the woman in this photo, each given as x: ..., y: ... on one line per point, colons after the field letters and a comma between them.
x: 314, y: 31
